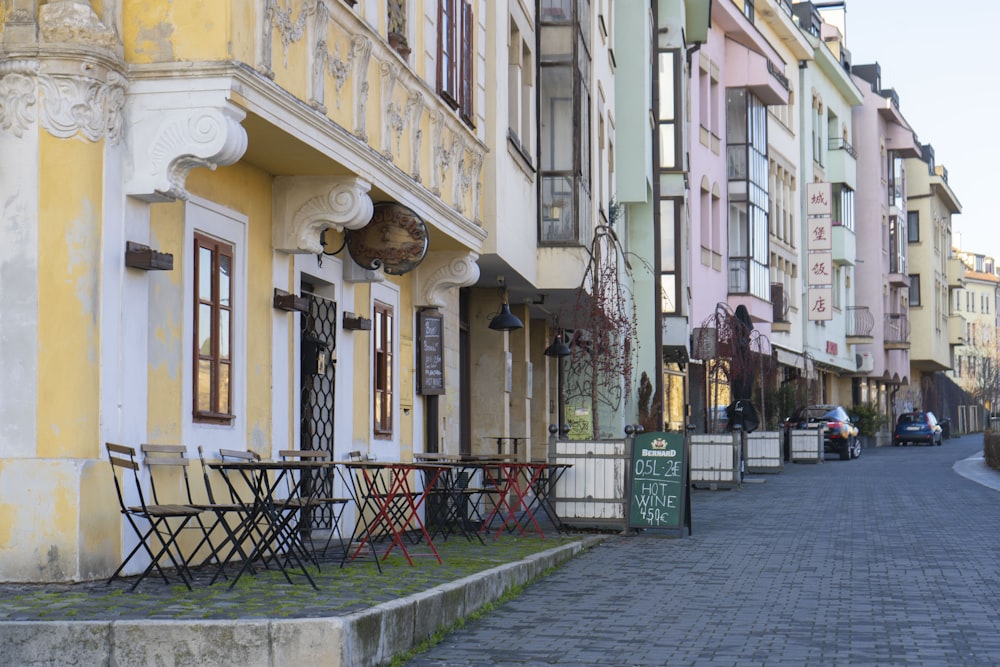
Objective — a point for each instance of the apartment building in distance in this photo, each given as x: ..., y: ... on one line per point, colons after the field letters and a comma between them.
x: 934, y: 272
x: 976, y: 364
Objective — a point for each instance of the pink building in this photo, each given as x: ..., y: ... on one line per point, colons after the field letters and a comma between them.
x: 887, y: 140
x: 735, y: 75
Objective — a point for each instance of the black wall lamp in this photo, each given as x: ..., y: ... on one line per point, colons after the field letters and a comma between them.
x: 505, y: 320
x: 558, y: 348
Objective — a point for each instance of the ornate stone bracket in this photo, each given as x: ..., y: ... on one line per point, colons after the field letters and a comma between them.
x: 174, y: 131
x: 305, y: 206
x: 442, y: 271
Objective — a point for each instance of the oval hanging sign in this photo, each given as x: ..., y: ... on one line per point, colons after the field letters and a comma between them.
x: 395, y: 239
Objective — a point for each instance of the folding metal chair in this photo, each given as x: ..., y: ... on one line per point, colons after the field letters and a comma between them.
x: 159, y: 539
x: 174, y: 457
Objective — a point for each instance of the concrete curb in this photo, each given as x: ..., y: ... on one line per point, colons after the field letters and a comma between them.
x: 974, y: 468
x: 368, y: 638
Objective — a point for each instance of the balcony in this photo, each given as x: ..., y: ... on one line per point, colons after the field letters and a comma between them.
x: 845, y: 246
x: 956, y: 330
x: 898, y: 279
x: 956, y: 273
x: 750, y: 69
x: 860, y: 323
x: 842, y: 161
x: 896, y: 332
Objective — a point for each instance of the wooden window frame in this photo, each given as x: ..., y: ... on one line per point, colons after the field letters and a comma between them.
x: 219, y: 396
x: 382, y: 370
x: 456, y: 28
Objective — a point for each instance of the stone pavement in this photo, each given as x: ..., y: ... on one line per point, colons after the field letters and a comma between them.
x: 886, y: 560
x: 891, y: 559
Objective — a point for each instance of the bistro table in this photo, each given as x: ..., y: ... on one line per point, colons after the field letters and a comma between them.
x: 519, y: 489
x: 452, y: 505
x: 268, y: 517
x: 388, y: 502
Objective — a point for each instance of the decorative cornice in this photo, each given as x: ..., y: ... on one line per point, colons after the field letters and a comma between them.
x: 89, y: 100
x: 173, y: 131
x: 68, y: 74
x: 18, y: 96
x: 443, y: 271
x: 72, y: 104
x: 304, y: 207
x: 260, y: 96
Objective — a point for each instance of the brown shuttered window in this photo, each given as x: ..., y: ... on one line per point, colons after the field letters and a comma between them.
x: 382, y: 380
x: 456, y: 27
x: 213, y: 336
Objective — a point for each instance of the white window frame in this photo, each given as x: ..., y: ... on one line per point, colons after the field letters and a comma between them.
x: 386, y: 449
x: 230, y: 226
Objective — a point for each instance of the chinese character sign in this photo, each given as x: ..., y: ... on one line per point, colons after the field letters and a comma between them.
x: 819, y: 269
x: 820, y: 232
x: 819, y: 199
x: 820, y: 303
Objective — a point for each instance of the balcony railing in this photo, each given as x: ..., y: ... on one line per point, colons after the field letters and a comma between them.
x: 897, y: 331
x: 779, y: 75
x: 860, y: 322
x: 839, y: 144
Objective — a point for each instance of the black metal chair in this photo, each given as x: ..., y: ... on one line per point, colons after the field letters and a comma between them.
x: 159, y: 538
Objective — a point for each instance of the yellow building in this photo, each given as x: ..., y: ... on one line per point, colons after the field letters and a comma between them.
x: 272, y: 224
x: 933, y: 273
x: 223, y: 222
x: 977, y: 360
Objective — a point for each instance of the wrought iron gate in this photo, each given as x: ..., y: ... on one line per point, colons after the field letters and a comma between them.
x: 317, y: 400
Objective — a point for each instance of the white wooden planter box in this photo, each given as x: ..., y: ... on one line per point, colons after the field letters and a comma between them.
x: 714, y: 461
x: 807, y: 445
x: 764, y: 453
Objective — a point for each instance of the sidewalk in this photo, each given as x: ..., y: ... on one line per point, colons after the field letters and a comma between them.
x: 358, y: 616
x: 975, y: 469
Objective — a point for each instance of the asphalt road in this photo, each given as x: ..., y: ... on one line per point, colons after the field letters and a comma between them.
x: 890, y: 559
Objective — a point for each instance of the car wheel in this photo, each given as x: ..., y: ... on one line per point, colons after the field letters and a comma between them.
x: 857, y: 449
x: 845, y: 450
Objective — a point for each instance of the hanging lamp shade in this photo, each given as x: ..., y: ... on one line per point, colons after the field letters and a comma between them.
x: 558, y: 348
x: 505, y: 320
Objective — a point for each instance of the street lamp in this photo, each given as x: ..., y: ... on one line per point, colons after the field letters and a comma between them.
x: 559, y: 349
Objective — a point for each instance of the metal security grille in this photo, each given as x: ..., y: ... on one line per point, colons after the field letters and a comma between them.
x: 317, y: 400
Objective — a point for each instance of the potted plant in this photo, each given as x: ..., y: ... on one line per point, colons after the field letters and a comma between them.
x: 870, y: 422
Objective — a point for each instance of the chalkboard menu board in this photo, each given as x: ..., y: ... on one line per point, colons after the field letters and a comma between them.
x: 430, y: 353
x: 659, y: 495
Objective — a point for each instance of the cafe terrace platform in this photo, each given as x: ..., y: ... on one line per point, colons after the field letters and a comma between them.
x: 357, y: 617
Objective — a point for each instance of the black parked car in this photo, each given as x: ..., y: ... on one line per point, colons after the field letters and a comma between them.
x: 840, y: 435
x: 920, y: 427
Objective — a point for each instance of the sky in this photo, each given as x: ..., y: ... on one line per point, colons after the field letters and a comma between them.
x: 939, y: 57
